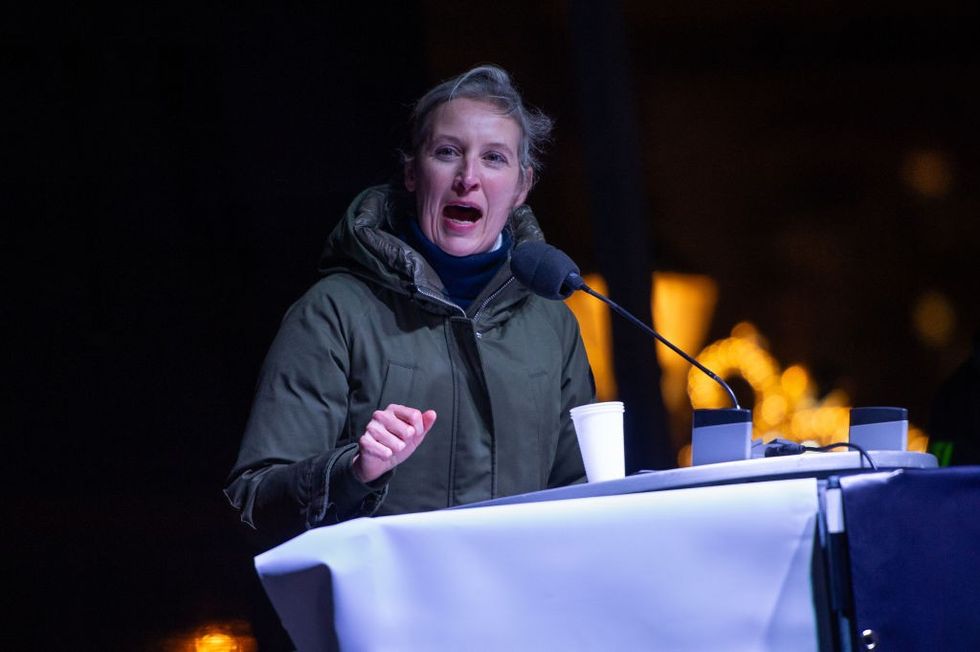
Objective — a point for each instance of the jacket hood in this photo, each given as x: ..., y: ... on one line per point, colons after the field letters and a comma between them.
x: 365, y: 242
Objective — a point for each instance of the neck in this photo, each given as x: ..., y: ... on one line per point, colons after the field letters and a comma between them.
x: 464, y: 277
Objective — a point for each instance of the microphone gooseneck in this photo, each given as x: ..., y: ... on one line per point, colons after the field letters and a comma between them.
x: 549, y: 272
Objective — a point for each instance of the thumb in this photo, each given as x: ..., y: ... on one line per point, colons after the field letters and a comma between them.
x: 428, y: 419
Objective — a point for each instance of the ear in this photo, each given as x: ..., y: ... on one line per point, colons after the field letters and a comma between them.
x: 525, y: 186
x: 410, y: 175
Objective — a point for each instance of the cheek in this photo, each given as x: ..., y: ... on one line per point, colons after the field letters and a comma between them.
x: 430, y: 185
x: 506, y: 193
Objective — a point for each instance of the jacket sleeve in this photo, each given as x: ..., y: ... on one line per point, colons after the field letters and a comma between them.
x: 294, y: 466
x: 577, y: 388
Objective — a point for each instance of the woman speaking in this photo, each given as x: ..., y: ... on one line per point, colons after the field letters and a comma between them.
x: 418, y: 373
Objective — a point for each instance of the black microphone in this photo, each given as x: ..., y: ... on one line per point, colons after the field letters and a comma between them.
x: 545, y: 270
x: 549, y: 272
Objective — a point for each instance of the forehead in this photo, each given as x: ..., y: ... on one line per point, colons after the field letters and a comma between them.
x: 463, y: 117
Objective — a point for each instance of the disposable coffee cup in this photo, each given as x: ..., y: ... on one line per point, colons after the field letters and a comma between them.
x: 599, y: 428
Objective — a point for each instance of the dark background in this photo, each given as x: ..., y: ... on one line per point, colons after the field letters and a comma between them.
x: 172, y: 173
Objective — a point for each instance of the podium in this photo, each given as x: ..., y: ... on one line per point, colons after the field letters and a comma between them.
x: 724, y: 556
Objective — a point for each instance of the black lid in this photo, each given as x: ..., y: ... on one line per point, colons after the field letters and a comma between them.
x: 721, y: 416
x: 862, y: 416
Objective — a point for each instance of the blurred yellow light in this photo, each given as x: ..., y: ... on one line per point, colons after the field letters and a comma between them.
x: 785, y: 401
x: 918, y: 440
x: 795, y: 381
x: 595, y: 324
x: 681, y: 305
x: 216, y: 643
x: 228, y: 636
x: 836, y: 398
x: 928, y: 172
x: 684, y: 456
x: 773, y: 409
x: 745, y: 330
x: 738, y: 355
x: 934, y: 318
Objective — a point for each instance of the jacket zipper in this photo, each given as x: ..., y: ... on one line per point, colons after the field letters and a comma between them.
x: 478, y: 335
x: 490, y: 298
x: 421, y: 290
x: 476, y: 316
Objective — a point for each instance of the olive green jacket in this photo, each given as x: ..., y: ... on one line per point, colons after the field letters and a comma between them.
x: 375, y: 330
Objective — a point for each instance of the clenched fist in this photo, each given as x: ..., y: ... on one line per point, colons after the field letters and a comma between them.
x: 389, y: 439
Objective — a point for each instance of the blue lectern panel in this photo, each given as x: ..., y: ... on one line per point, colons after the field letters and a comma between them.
x: 914, y: 541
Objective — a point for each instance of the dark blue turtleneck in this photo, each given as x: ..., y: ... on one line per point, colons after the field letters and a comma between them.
x: 464, y: 276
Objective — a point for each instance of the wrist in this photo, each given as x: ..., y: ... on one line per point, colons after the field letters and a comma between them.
x: 357, y: 468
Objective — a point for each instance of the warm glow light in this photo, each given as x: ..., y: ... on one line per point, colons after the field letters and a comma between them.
x: 594, y: 322
x: 928, y: 172
x: 774, y: 409
x: 746, y: 330
x: 823, y: 425
x: 785, y: 401
x: 684, y: 456
x: 216, y: 643
x: 918, y: 440
x: 739, y: 355
x: 795, y: 382
x: 681, y: 305
x: 230, y: 636
x: 934, y: 319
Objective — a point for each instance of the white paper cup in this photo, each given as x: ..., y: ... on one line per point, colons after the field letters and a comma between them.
x: 599, y: 428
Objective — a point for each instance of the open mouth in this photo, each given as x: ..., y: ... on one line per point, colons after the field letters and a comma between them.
x: 461, y: 213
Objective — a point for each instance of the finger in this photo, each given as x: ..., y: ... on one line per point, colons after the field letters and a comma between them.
x: 405, y: 413
x: 418, y: 426
x: 398, y: 420
x: 370, y: 446
x: 428, y: 420
x: 419, y: 421
x: 384, y: 437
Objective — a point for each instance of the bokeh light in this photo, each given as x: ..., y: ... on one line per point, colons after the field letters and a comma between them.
x: 934, y: 319
x: 594, y: 322
x: 230, y: 636
x: 928, y: 172
x: 682, y: 306
x: 785, y: 403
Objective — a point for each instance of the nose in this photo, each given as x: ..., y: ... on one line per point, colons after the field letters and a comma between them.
x: 467, y: 179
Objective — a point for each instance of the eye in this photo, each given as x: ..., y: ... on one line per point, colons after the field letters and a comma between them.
x: 495, y: 158
x: 445, y: 152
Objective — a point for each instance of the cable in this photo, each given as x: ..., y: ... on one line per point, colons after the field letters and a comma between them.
x: 780, y: 447
x: 824, y: 449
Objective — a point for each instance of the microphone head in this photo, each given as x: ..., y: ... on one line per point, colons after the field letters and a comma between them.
x: 545, y: 270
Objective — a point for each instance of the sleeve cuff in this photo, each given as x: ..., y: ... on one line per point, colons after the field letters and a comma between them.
x: 343, y: 495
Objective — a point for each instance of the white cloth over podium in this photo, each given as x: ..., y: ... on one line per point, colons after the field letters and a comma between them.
x: 713, y: 568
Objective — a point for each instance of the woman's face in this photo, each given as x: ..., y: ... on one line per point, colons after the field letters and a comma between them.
x: 467, y: 177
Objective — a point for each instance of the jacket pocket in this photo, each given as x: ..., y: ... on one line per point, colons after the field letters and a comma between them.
x: 399, y: 384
